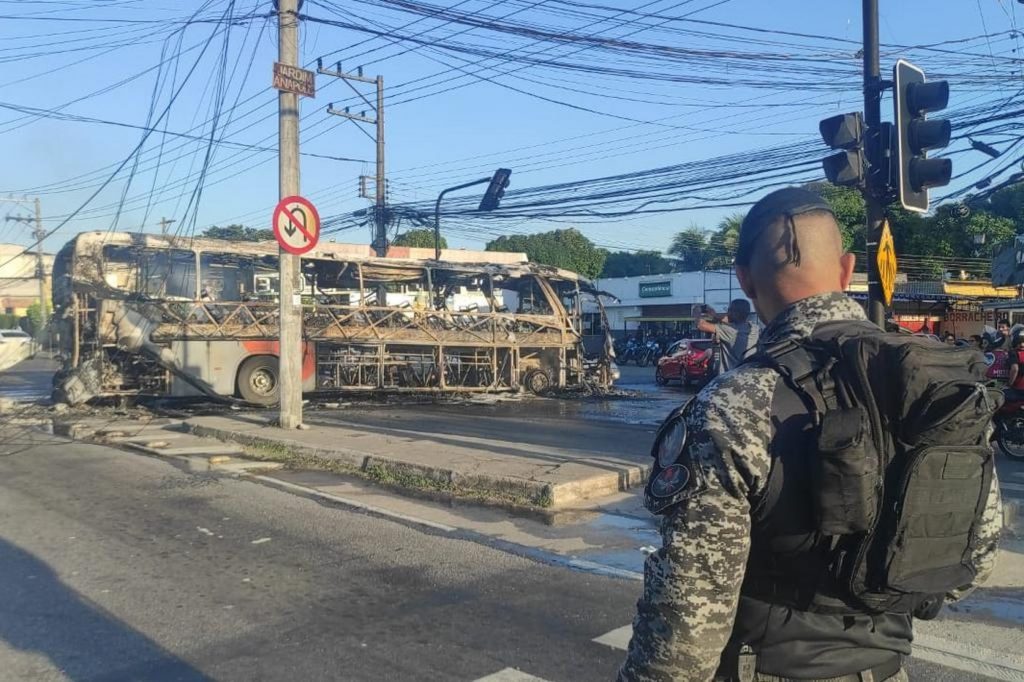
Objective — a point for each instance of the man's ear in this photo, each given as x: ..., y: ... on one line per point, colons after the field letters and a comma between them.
x: 746, y: 281
x: 847, y: 263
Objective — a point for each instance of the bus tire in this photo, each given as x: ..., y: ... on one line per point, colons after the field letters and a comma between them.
x: 537, y: 381
x: 259, y: 380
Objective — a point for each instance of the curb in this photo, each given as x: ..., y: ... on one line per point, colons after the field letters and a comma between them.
x: 442, y: 482
x: 377, y: 467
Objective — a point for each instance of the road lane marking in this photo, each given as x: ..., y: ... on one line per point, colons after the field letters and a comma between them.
x: 604, y: 569
x: 975, y: 659
x: 510, y: 675
x: 617, y: 638
x: 313, y: 492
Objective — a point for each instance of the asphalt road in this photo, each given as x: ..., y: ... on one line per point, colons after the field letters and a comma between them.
x: 116, y: 566
x: 30, y: 379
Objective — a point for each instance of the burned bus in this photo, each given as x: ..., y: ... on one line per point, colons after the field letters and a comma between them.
x: 145, y: 315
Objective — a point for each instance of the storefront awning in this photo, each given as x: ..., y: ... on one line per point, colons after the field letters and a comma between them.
x: 1015, y: 304
x: 935, y: 291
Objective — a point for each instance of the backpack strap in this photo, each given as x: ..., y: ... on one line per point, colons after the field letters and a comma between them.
x: 806, y: 369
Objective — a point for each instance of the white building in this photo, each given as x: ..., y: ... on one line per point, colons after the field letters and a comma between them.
x: 19, y: 283
x: 665, y: 302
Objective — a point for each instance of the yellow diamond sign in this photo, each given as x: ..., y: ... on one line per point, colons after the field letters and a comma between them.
x: 887, y: 263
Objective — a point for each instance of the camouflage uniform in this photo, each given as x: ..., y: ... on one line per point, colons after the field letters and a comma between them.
x: 692, y: 584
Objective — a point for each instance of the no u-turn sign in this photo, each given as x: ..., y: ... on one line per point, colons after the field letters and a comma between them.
x: 296, y: 225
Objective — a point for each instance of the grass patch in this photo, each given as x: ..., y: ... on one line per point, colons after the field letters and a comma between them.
x: 267, y: 452
x: 422, y: 482
x: 405, y: 479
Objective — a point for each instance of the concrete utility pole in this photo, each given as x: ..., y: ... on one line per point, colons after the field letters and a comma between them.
x: 164, y: 224
x: 40, y: 234
x: 380, y: 241
x: 380, y: 235
x: 291, y: 348
x: 873, y: 151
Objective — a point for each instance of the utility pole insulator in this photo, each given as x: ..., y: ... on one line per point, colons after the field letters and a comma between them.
x: 380, y: 233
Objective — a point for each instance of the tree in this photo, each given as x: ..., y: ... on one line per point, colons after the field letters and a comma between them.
x: 34, y: 319
x: 568, y: 249
x: 419, y: 239
x: 850, y: 209
x: 721, y: 250
x: 949, y: 233
x: 239, y: 233
x: 690, y: 248
x: 1007, y: 202
x: 626, y: 264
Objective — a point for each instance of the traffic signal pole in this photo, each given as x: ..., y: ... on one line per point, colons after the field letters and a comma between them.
x: 491, y: 200
x: 875, y: 182
x: 437, y: 211
x: 290, y: 322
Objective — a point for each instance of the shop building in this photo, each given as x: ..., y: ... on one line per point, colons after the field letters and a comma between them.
x: 662, y: 304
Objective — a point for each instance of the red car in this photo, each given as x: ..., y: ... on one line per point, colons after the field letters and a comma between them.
x: 686, y: 361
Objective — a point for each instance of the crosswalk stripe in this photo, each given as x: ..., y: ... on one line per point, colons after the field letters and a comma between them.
x: 510, y: 675
x: 617, y: 638
x: 996, y: 665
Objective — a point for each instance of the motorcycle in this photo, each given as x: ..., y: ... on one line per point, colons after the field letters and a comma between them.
x: 1009, y: 425
x: 629, y: 352
x: 648, y: 353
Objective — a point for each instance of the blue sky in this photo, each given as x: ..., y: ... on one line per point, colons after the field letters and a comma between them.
x: 432, y: 142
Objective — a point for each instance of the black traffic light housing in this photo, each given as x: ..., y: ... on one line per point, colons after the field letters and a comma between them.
x: 845, y: 132
x: 913, y: 97
x: 495, y: 190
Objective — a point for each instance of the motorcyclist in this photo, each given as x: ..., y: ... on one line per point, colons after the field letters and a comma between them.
x: 1015, y: 364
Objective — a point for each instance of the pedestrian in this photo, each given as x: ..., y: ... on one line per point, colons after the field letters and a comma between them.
x: 977, y: 341
x: 735, y: 335
x: 772, y: 483
x: 949, y: 338
x: 1001, y: 341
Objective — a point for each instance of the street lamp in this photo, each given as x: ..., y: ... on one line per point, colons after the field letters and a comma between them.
x: 979, y: 241
x: 492, y: 197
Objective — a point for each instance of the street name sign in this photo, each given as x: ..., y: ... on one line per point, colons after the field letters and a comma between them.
x: 296, y: 225
x: 293, y: 79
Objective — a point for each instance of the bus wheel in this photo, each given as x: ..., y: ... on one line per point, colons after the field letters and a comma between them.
x: 258, y: 380
x: 537, y: 381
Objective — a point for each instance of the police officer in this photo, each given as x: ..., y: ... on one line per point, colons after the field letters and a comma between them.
x: 697, y: 618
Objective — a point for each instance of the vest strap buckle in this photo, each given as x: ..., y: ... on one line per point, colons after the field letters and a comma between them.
x: 746, y: 664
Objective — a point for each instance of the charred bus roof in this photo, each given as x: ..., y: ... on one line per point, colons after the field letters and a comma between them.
x: 398, y: 264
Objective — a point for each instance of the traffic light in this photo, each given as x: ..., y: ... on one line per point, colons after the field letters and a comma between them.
x: 495, y: 190
x: 846, y: 132
x: 913, y: 97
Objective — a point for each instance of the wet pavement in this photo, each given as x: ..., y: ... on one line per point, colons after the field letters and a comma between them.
x: 29, y: 380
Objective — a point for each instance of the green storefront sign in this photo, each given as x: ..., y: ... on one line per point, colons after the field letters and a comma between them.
x: 658, y: 289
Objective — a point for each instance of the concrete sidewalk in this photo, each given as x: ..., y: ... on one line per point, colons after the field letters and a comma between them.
x: 485, y: 469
